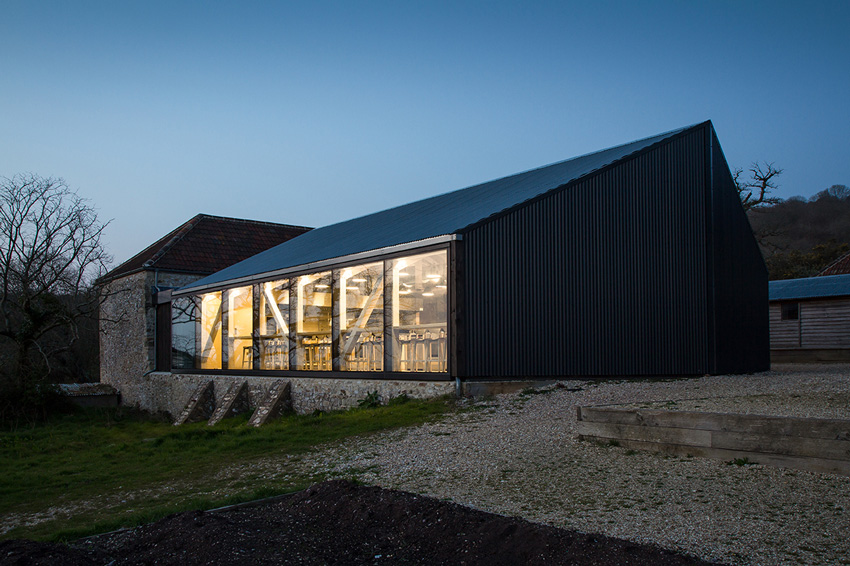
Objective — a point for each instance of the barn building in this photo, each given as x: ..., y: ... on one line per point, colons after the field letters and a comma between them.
x: 633, y: 261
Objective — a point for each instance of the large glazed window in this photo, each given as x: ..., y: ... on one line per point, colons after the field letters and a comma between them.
x: 184, y: 316
x: 361, y: 318
x: 274, y: 325
x: 420, y: 312
x: 313, y: 313
x: 209, y: 332
x: 240, y: 327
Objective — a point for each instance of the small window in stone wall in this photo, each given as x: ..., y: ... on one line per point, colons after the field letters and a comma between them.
x: 790, y: 311
x: 184, y: 316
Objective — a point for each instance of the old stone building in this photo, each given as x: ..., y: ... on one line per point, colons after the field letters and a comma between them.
x: 130, y: 315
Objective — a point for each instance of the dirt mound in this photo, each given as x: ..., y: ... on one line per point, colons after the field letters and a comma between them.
x: 339, y: 522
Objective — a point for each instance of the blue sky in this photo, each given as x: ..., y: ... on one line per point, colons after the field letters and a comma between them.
x: 314, y: 112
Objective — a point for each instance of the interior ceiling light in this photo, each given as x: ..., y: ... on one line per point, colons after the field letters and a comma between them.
x: 359, y: 280
x: 427, y: 294
x: 321, y: 286
x: 404, y: 274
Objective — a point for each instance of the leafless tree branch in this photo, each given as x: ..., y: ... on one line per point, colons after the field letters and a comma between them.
x: 50, y: 257
x: 755, y: 191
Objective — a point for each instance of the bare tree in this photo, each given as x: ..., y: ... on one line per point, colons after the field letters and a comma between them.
x: 755, y: 191
x: 50, y: 256
x: 839, y: 192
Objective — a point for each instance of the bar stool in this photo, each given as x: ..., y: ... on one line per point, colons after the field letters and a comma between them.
x: 405, y: 354
x: 420, y: 358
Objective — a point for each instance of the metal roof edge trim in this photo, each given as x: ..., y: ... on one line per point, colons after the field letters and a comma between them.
x: 807, y: 288
x: 190, y: 290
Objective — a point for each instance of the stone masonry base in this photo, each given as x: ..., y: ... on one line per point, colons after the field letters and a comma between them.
x: 169, y: 392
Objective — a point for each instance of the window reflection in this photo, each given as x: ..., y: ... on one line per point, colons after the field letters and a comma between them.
x: 361, y: 312
x: 184, y: 316
x: 240, y: 327
x: 274, y: 325
x: 313, y: 322
x: 420, y: 313
x: 209, y: 332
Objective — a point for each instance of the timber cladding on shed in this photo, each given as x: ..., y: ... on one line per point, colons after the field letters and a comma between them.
x: 810, y: 319
x: 636, y: 260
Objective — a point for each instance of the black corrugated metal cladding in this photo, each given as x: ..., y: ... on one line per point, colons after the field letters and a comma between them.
x: 605, y: 277
x: 741, y: 281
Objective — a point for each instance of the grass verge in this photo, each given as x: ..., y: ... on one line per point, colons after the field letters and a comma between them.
x: 95, y: 471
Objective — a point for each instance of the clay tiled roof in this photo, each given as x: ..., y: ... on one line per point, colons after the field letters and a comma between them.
x: 840, y: 266
x: 206, y: 244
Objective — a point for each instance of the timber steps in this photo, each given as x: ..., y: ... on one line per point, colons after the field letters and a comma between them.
x: 811, y: 444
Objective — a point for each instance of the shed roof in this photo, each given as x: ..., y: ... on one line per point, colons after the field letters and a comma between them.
x: 810, y: 288
x: 840, y: 266
x: 206, y: 244
x: 441, y: 215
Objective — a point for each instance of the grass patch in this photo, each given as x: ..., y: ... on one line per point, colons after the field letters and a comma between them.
x: 100, y: 470
x: 740, y: 462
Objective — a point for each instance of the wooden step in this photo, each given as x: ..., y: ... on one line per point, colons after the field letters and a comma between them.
x: 200, y: 406
x: 275, y: 402
x: 233, y: 402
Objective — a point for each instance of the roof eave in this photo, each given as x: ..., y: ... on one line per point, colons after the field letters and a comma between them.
x: 316, y: 265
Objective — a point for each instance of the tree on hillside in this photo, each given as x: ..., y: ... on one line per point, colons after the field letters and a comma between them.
x: 836, y: 192
x: 755, y: 191
x: 50, y: 256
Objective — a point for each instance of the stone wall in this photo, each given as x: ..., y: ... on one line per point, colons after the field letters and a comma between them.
x: 123, y: 330
x: 167, y: 392
x: 128, y: 327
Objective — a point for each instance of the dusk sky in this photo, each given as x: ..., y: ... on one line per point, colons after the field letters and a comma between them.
x: 311, y: 113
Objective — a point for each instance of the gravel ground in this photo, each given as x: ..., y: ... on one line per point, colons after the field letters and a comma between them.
x: 518, y: 455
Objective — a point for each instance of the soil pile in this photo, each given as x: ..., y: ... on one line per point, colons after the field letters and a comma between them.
x: 339, y: 522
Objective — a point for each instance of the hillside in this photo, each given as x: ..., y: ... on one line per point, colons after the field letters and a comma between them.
x: 799, y: 237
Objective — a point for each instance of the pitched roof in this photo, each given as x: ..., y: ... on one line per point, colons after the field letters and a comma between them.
x: 206, y: 244
x: 441, y: 215
x: 840, y: 266
x: 809, y: 288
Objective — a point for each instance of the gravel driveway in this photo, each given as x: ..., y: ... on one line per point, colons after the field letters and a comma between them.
x: 518, y: 455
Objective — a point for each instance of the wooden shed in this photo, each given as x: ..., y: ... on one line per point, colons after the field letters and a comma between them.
x: 810, y: 319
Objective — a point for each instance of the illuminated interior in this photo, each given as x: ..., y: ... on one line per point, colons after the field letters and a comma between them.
x: 313, y: 312
x: 298, y: 319
x: 274, y: 325
x: 419, y: 313
x: 240, y: 327
x: 209, y: 347
x: 361, y: 324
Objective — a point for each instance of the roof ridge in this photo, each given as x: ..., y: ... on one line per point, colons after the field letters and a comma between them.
x: 249, y: 221
x: 181, y: 233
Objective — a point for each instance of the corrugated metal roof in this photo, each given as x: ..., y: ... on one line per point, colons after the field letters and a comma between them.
x: 810, y: 288
x: 448, y: 213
